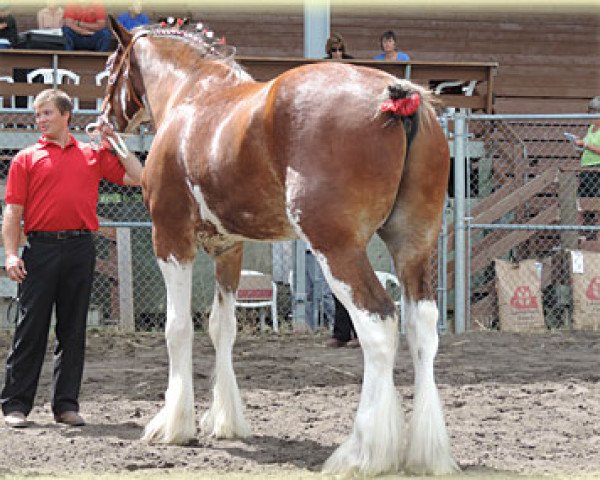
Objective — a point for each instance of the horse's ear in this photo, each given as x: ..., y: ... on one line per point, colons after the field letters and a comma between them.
x: 119, y: 31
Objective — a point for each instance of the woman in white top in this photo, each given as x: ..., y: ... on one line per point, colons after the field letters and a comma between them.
x: 51, y: 16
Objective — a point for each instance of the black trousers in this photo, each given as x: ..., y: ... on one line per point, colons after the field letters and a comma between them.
x: 60, y: 275
x: 343, y: 329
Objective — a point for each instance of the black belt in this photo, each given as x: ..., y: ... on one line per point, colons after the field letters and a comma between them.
x: 59, y: 235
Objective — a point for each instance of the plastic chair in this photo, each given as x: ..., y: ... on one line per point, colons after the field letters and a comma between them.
x: 258, y: 290
x: 12, y: 98
x: 47, y: 74
x: 99, y: 79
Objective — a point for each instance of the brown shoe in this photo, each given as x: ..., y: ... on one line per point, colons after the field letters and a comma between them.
x: 16, y: 420
x: 354, y: 343
x: 334, y: 343
x: 73, y: 419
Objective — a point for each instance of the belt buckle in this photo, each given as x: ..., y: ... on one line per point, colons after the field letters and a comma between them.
x: 62, y: 235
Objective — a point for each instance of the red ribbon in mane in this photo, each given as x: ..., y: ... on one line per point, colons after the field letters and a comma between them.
x: 403, y: 107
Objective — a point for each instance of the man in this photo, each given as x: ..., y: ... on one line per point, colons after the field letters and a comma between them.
x: 53, y: 186
x: 85, y: 27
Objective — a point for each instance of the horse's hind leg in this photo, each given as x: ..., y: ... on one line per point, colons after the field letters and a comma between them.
x: 175, y: 423
x: 376, y: 443
x: 225, y: 417
x: 428, y: 451
x: 409, y: 235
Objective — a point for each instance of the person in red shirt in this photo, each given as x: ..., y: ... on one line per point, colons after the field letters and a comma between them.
x: 85, y: 27
x: 53, y: 187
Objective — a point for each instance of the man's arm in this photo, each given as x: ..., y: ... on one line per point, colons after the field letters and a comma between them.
x: 133, y: 169
x: 11, y: 234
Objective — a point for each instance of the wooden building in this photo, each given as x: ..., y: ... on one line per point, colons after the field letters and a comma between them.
x: 549, y: 61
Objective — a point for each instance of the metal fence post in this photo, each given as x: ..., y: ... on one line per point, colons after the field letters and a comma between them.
x: 299, y: 300
x: 127, y: 317
x: 460, y: 139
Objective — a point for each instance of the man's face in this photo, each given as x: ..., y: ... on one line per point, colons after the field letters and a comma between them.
x: 50, y: 121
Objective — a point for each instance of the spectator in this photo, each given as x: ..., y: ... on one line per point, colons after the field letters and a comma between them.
x: 344, y: 333
x: 133, y: 17
x: 53, y: 186
x: 51, y: 16
x: 591, y: 142
x: 388, y: 44
x: 336, y: 48
x: 8, y: 28
x: 85, y: 27
x: 589, y: 185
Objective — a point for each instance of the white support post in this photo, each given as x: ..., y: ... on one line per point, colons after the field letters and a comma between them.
x: 127, y: 320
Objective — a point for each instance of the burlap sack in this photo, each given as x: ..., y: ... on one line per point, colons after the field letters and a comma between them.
x: 585, y: 282
x: 519, y: 290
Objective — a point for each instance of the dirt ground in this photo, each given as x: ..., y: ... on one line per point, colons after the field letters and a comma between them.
x: 514, y: 404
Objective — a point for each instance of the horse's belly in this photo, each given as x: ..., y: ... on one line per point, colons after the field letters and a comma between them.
x: 230, y: 219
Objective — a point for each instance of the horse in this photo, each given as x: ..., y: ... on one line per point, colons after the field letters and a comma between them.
x: 328, y: 152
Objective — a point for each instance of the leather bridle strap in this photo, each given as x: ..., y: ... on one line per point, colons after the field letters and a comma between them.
x: 112, y: 81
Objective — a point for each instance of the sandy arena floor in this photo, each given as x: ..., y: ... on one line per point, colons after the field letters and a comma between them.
x: 514, y: 404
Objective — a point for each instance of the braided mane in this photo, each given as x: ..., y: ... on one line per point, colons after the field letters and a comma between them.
x: 206, y: 46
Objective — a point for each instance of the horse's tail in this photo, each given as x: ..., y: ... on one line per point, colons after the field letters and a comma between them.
x: 410, y: 104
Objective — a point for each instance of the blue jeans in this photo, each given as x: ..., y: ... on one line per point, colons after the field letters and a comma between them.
x: 98, y: 42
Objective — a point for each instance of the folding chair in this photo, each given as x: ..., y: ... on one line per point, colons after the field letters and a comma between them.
x: 258, y: 290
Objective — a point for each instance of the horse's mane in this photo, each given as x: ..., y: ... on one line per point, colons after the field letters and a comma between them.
x: 206, y: 47
x: 200, y: 40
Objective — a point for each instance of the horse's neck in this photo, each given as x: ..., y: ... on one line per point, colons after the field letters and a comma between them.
x: 168, y: 78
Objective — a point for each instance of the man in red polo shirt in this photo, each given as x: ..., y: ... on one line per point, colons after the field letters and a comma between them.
x: 85, y: 27
x: 53, y: 187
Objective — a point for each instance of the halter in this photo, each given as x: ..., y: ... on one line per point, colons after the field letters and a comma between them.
x: 125, y: 61
x: 112, y: 81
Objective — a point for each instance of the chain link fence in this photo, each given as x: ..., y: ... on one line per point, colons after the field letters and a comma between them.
x: 531, y: 217
x: 521, y: 222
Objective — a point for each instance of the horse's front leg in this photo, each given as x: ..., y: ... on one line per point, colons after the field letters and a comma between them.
x: 225, y: 417
x: 175, y: 423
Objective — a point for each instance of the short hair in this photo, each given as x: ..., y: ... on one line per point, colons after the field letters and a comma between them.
x: 594, y: 103
x: 386, y: 36
x: 61, y: 100
x: 335, y: 39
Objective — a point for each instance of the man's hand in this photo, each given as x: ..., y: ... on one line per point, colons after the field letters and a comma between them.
x: 15, y: 268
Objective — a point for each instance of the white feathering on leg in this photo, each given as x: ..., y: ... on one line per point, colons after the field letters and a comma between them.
x: 225, y: 417
x: 175, y: 423
x: 428, y: 450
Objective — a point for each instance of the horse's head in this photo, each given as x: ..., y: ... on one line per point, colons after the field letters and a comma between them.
x: 124, y: 104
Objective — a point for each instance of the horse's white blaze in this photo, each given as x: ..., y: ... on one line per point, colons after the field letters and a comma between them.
x: 429, y: 446
x: 376, y: 444
x: 225, y: 417
x: 175, y: 423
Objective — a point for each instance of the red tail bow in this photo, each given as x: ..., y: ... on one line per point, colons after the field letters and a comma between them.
x: 403, y: 107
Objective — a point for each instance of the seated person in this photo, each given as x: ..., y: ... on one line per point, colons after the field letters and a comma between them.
x: 133, y: 17
x: 51, y: 16
x: 336, y: 48
x: 8, y: 28
x: 85, y: 27
x: 387, y: 42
